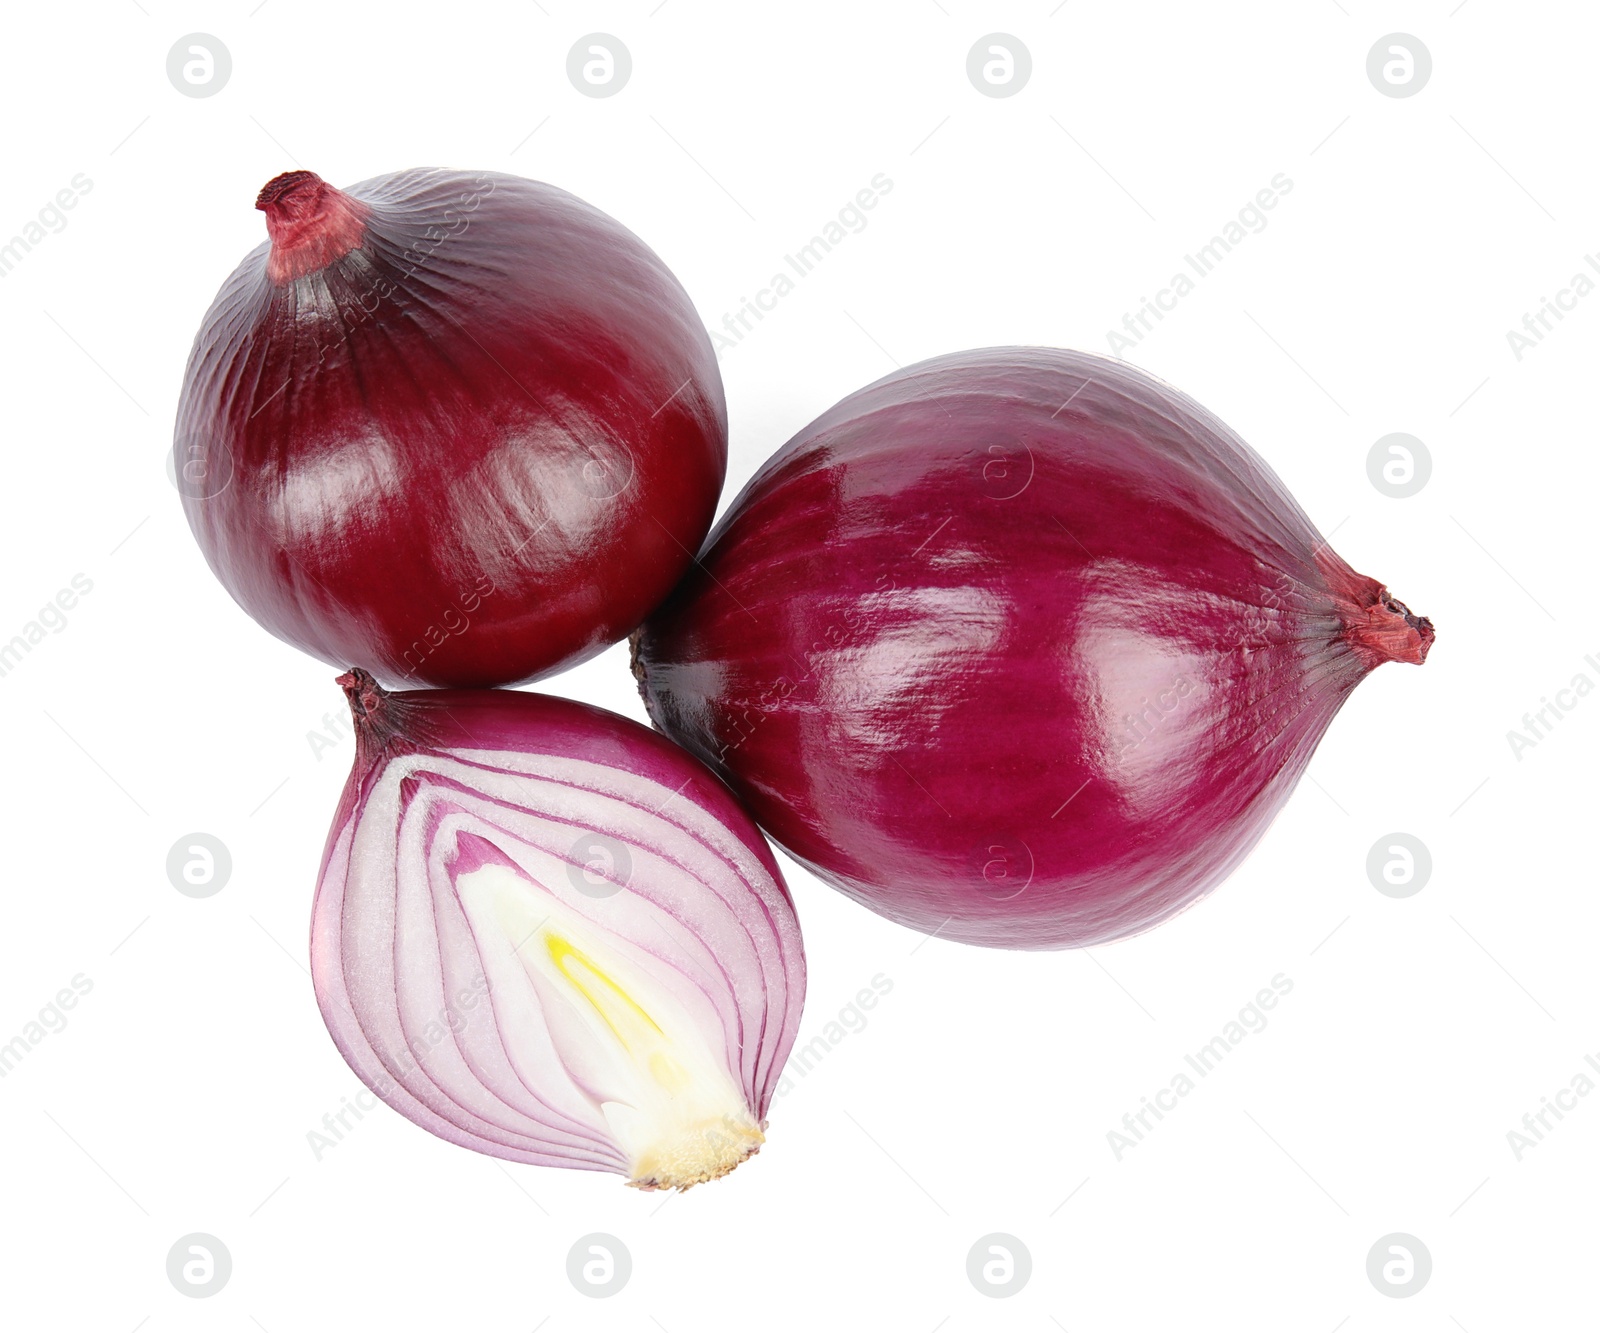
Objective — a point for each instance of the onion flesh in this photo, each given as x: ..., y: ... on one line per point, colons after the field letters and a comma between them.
x: 1018, y: 646
x: 545, y: 933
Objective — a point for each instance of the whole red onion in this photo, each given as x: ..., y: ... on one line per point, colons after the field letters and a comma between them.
x: 461, y: 428
x: 544, y: 932
x: 1018, y: 646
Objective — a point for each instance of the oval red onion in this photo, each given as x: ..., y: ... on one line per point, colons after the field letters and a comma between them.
x: 1017, y: 646
x: 544, y: 932
x: 460, y: 427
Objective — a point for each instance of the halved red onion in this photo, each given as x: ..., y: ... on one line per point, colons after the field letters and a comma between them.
x: 544, y: 932
x: 461, y: 427
x: 1018, y: 646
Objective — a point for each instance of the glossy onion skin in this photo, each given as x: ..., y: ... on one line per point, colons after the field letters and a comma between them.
x: 419, y: 1002
x: 476, y: 449
x: 1019, y: 645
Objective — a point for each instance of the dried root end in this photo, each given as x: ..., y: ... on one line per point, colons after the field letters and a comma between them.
x: 708, y: 1152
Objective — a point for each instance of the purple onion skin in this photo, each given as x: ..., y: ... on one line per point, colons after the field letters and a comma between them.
x: 1019, y: 646
x: 462, y: 428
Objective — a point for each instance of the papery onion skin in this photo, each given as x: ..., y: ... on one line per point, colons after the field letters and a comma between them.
x: 481, y: 1027
x: 463, y: 428
x: 1017, y: 646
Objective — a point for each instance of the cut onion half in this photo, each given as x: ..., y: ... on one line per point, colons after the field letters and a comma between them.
x: 547, y: 934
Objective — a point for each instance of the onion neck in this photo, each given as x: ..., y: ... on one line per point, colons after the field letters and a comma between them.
x: 1376, y: 626
x: 380, y: 718
x: 310, y: 222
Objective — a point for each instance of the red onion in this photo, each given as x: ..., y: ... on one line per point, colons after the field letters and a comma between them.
x: 546, y: 933
x: 462, y: 428
x: 1018, y: 646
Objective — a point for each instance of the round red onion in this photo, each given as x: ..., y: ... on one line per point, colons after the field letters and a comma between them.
x: 544, y: 932
x: 1018, y: 646
x: 459, y: 427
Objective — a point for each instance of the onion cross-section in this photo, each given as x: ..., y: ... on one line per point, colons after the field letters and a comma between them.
x: 547, y: 934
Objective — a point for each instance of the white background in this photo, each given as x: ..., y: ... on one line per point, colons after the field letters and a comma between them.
x: 1419, y: 1031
